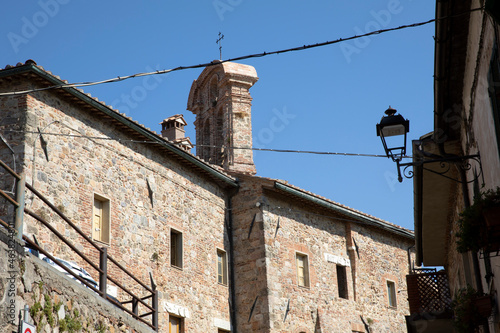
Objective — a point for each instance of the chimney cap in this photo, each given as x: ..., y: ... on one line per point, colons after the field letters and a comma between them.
x: 175, y: 118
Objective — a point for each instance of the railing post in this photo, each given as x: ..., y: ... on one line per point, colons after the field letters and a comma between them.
x: 154, y: 319
x: 20, y: 209
x: 155, y: 309
x: 135, y: 306
x: 103, y: 277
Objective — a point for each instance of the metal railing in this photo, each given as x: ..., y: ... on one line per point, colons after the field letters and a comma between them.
x: 429, y: 292
x: 151, y: 310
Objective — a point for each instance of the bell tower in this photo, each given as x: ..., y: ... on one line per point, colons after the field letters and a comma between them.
x: 221, y: 101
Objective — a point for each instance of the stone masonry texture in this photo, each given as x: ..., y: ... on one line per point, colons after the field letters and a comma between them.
x: 152, y: 193
x: 266, y: 268
x: 78, y: 167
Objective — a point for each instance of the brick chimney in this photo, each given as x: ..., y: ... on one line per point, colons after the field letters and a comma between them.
x: 221, y: 101
x: 172, y: 129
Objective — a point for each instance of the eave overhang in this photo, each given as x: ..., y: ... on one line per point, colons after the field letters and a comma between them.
x: 357, y: 217
x: 452, y: 29
x: 433, y: 201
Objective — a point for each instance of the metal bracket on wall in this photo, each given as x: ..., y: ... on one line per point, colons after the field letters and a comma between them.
x: 43, y: 143
x: 287, y: 310
x: 356, y: 246
x: 150, y: 192
x: 277, y: 227
x: 445, y: 163
x: 253, y: 308
x: 251, y: 226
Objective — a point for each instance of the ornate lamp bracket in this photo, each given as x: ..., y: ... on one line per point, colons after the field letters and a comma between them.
x: 462, y: 163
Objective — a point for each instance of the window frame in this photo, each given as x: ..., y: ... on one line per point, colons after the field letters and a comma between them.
x: 342, y: 285
x: 305, y: 269
x: 180, y: 322
x: 103, y: 235
x: 176, y: 250
x: 222, y: 265
x: 392, y: 300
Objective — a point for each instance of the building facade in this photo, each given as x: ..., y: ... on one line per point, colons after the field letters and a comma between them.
x: 467, y: 129
x: 227, y: 251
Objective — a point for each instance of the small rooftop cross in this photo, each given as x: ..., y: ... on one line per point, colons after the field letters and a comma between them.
x: 219, y: 42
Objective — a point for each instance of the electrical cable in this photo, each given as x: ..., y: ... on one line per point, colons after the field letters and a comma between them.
x: 214, y: 63
x: 208, y: 146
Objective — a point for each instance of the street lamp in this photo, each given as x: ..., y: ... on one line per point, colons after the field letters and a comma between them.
x: 393, y: 130
x: 393, y: 125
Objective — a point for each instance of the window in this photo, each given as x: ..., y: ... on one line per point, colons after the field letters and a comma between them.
x: 100, y: 219
x: 175, y: 248
x: 221, y: 267
x: 391, y: 294
x: 302, y: 270
x: 342, y: 281
x: 174, y: 324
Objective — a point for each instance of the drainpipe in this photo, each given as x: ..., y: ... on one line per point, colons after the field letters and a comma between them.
x: 410, y: 271
x: 233, y: 308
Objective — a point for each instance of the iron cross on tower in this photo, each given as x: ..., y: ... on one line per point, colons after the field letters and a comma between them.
x: 219, y: 42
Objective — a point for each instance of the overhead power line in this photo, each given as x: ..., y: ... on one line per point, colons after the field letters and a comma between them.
x: 208, y: 146
x: 255, y: 55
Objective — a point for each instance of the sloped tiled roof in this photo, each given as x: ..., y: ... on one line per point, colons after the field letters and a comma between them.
x: 31, y: 71
x: 284, y: 188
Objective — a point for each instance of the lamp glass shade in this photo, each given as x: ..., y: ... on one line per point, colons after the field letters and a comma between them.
x: 390, y: 126
x: 393, y: 130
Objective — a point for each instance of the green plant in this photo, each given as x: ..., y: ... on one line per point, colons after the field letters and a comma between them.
x: 57, y: 306
x: 100, y: 327
x: 48, y: 310
x: 35, y: 309
x: 470, y: 309
x: 472, y: 231
x: 71, y: 322
x: 61, y: 208
x: 42, y: 214
x: 22, y: 266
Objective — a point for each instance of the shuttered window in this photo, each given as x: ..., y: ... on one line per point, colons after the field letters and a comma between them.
x: 101, y: 219
x: 302, y: 270
x: 175, y: 248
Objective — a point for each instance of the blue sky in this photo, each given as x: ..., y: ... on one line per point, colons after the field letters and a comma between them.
x: 325, y: 99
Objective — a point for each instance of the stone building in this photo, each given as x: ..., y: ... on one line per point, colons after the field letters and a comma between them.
x: 228, y: 251
x: 466, y: 128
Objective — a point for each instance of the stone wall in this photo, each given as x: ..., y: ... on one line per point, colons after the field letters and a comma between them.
x: 56, y: 303
x: 13, y: 117
x: 250, y: 265
x: 284, y: 227
x: 73, y: 166
x: 221, y: 100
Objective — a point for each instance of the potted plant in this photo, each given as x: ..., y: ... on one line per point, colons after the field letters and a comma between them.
x: 470, y: 309
x: 479, y: 222
x: 490, y: 207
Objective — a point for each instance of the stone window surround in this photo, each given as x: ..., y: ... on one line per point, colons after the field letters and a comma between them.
x: 307, y: 280
x: 385, y: 280
x: 303, y: 250
x: 107, y: 218
x: 180, y: 321
x: 342, y: 281
x: 179, y: 231
x: 220, y: 249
